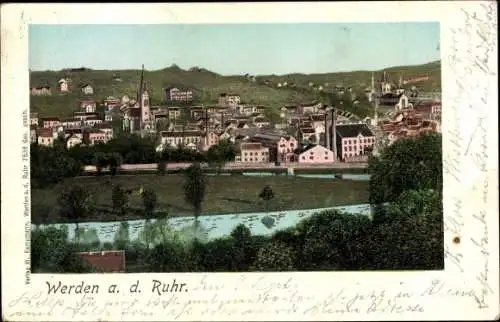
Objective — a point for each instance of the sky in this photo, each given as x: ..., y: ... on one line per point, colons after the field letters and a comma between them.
x: 235, y: 49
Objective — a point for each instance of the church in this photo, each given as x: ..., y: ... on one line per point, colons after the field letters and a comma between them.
x: 137, y: 116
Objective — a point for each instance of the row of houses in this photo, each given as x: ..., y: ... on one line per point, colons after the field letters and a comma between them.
x: 63, y: 86
x: 82, y: 128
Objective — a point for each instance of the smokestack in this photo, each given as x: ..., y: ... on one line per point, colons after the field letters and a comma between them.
x: 206, y: 126
x: 334, y: 133
x: 327, y: 131
x: 222, y: 120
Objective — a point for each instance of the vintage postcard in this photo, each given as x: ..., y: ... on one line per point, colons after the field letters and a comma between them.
x: 223, y: 162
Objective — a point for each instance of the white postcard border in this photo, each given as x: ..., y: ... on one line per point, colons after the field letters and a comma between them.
x: 470, y: 132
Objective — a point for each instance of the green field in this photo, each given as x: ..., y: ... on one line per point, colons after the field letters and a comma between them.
x: 208, y: 85
x: 225, y: 194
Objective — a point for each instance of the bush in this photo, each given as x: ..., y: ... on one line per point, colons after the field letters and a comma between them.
x: 274, y: 256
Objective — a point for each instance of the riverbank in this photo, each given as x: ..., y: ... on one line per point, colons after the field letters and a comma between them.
x: 224, y: 195
x: 214, y: 226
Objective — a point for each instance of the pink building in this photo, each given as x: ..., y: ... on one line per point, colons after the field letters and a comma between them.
x: 96, y: 136
x: 45, y: 136
x: 354, y: 140
x: 316, y: 154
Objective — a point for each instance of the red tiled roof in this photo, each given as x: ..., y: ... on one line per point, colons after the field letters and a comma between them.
x: 106, y: 261
x: 44, y: 132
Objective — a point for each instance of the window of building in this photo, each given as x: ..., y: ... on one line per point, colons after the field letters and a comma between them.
x: 303, y: 157
x: 326, y: 157
x: 311, y: 158
x: 251, y: 159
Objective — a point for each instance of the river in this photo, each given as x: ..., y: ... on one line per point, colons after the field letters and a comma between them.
x: 216, y: 226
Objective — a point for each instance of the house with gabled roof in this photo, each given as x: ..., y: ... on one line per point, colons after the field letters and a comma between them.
x: 87, y: 89
x: 63, y: 85
x: 316, y: 154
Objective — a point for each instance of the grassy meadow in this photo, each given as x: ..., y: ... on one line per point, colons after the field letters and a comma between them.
x: 224, y: 194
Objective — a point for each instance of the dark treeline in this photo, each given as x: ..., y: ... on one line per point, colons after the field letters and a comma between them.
x: 50, y: 165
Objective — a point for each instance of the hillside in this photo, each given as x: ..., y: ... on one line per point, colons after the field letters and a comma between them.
x: 207, y: 85
x: 359, y: 80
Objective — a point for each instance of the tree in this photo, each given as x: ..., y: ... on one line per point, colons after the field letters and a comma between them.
x: 194, y: 188
x: 75, y: 204
x: 217, y: 155
x: 407, y: 164
x: 266, y: 195
x: 122, y: 236
x: 162, y: 166
x: 408, y: 233
x: 149, y: 201
x: 100, y: 162
x: 120, y: 199
x: 50, y: 166
x: 114, y: 162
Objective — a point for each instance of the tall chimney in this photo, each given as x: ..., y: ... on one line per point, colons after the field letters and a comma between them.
x: 222, y: 120
x: 327, y: 131
x: 206, y: 126
x: 334, y: 133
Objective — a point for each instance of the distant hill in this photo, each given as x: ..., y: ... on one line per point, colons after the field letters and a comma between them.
x: 207, y: 85
x: 362, y: 79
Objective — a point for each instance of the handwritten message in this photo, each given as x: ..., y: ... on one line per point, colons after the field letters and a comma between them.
x: 473, y: 45
x: 245, y: 297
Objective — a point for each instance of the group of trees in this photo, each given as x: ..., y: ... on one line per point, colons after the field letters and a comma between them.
x: 50, y: 165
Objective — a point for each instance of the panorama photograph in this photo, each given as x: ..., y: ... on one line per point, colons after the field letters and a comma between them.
x: 235, y: 147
